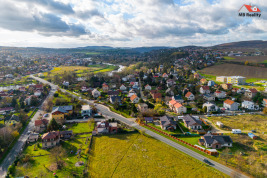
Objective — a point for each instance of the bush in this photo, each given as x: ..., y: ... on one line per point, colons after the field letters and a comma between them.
x: 56, y: 95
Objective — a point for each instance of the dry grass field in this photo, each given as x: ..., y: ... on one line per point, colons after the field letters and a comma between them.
x: 235, y: 69
x: 250, y: 59
x: 135, y: 155
x: 254, y: 152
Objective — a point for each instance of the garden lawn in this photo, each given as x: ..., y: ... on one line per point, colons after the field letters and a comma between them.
x: 190, y: 139
x: 81, y: 127
x: 135, y: 155
x: 40, y: 165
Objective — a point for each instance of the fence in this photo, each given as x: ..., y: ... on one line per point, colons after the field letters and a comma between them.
x: 177, y: 139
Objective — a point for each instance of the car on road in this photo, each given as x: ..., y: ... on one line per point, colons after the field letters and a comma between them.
x: 208, y: 162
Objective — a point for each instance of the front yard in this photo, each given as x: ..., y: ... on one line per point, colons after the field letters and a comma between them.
x: 81, y: 127
x: 177, y: 131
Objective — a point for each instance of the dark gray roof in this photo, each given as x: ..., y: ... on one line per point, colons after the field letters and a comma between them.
x: 12, y: 118
x: 191, y: 120
x: 166, y: 120
x: 222, y: 139
x: 115, y: 98
x: 113, y: 92
x: 149, y: 119
x: 63, y: 109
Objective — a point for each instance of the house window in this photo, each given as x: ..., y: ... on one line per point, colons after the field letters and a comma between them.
x: 52, y: 143
x: 45, y: 144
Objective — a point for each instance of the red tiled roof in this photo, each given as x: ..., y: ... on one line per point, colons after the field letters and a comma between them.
x: 40, y: 122
x: 157, y: 95
x: 188, y: 94
x: 178, y: 105
x: 253, y: 90
x: 50, y: 135
x: 230, y: 102
x: 133, y: 97
x: 172, y: 102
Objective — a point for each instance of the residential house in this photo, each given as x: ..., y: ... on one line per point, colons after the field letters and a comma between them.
x: 134, y: 98
x: 167, y: 123
x: 210, y: 107
x: 211, y: 83
x: 209, y: 97
x: 236, y: 90
x: 105, y: 87
x: 178, y: 98
x: 220, y: 94
x: 250, y: 105
x: 177, y: 107
x: 157, y: 96
x: 148, y: 87
x: 196, y: 76
x: 86, y: 110
x: 131, y: 93
x: 227, y: 86
x: 37, y: 93
x: 12, y: 120
x: 122, y: 87
x: 106, y: 127
x: 66, y: 83
x: 115, y: 99
x: 66, y: 134
x: 192, y: 122
x: 251, y: 93
x: 142, y: 107
x: 204, y: 90
x: 239, y: 80
x: 190, y: 96
x: 33, y: 137
x: 40, y: 125
x: 59, y: 113
x: 216, y: 141
x: 230, y: 105
x: 85, y: 89
x: 50, y: 139
x: 203, y: 81
x: 170, y: 82
x: 165, y: 75
x: 96, y: 93
x: 29, y: 99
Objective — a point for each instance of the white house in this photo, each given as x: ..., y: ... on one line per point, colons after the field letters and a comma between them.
x: 147, y: 87
x: 96, y: 93
x: 86, y: 110
x: 190, y: 96
x: 209, y: 97
x: 65, y: 83
x: 204, y: 90
x: 134, y: 99
x: 210, y: 107
x: 122, y: 87
x: 179, y: 108
x: 250, y: 105
x: 37, y: 93
x: 230, y: 105
x: 220, y: 94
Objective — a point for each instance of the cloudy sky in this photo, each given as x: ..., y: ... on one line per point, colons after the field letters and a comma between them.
x: 121, y: 23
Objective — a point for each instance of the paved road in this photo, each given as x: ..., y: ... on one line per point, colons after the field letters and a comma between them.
x: 18, y: 147
x: 106, y: 111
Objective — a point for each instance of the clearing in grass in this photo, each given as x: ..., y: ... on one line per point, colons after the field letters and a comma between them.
x: 136, y: 155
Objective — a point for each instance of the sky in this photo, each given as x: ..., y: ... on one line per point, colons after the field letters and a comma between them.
x: 127, y: 23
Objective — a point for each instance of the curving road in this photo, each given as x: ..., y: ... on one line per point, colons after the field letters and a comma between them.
x: 106, y: 111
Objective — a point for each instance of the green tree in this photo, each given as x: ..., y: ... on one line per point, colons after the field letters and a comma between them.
x: 53, y: 125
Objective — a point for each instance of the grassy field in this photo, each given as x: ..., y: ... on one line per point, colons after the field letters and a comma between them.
x: 234, y: 69
x: 135, y: 155
x: 80, y: 127
x: 80, y: 70
x: 228, y: 58
x: 243, y: 122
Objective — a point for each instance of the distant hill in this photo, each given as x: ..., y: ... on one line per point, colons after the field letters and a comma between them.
x: 148, y: 49
x: 245, y: 44
x: 96, y: 48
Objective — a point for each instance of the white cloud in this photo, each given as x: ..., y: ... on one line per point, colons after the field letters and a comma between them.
x: 130, y: 23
